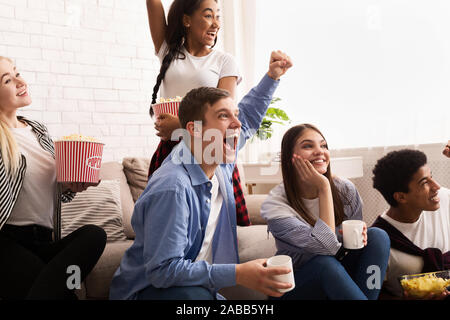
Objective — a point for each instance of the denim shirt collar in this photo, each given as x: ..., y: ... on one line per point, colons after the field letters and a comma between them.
x: 182, y: 154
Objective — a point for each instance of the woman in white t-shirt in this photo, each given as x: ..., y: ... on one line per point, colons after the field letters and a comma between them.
x: 34, y: 262
x: 185, y: 47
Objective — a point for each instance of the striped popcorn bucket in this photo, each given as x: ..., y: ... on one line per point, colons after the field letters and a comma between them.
x: 166, y: 107
x: 78, y: 161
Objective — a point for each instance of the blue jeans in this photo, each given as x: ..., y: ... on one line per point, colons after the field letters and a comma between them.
x: 325, y: 277
x: 174, y: 293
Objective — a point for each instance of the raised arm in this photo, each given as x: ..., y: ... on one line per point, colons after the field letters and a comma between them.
x: 278, y: 65
x: 229, y: 84
x: 254, y: 104
x: 229, y: 76
x: 157, y: 22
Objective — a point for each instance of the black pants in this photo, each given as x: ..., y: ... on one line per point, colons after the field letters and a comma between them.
x: 32, y: 266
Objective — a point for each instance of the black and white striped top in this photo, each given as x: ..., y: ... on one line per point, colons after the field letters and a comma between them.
x: 297, y: 238
x: 11, y: 183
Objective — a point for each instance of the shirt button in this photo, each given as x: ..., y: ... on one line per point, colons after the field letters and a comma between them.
x: 208, y: 201
x: 209, y: 184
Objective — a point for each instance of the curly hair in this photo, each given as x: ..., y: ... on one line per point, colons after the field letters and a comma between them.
x: 393, y: 172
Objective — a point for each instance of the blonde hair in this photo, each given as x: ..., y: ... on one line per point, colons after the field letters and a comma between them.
x: 8, y: 145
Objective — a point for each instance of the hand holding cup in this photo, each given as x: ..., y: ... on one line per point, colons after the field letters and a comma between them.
x: 354, y: 233
x: 282, y: 261
x: 256, y: 275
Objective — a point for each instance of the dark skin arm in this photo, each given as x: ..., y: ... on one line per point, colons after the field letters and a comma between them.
x: 78, y: 186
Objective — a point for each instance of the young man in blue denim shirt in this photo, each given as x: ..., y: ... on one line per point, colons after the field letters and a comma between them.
x: 185, y: 220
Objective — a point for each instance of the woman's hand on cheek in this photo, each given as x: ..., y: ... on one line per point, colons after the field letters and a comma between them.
x: 308, y: 174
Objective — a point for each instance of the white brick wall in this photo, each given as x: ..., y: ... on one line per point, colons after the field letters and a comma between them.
x: 90, y: 66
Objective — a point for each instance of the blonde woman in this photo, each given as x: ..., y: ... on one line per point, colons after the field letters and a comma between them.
x: 32, y: 264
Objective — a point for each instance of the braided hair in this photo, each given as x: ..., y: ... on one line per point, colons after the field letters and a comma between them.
x: 175, y: 37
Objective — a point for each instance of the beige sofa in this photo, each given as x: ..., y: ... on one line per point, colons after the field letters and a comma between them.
x: 253, y: 241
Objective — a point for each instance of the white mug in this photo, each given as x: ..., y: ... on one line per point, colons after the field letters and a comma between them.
x: 352, y: 232
x: 283, y: 261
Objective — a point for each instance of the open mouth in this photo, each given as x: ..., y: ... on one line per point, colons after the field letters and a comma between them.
x: 212, y: 35
x: 318, y: 161
x: 230, y: 142
x: 22, y: 93
x: 435, y: 198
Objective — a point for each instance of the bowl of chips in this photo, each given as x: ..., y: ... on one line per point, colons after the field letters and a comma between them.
x: 424, y: 284
x: 167, y: 105
x: 78, y: 158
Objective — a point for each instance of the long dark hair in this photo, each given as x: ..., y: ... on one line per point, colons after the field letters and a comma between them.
x: 291, y: 184
x: 175, y: 37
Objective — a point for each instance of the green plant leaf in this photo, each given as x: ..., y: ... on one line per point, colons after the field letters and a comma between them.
x: 273, y: 115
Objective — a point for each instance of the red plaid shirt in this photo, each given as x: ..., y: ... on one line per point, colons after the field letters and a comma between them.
x: 164, y: 149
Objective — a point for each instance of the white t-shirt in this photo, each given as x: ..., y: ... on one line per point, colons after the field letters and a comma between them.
x: 431, y: 230
x: 312, y: 205
x: 36, y: 201
x: 192, y: 72
x: 216, y: 204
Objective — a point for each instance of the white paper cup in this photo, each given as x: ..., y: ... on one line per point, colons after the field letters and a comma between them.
x: 282, y: 261
x: 352, y: 233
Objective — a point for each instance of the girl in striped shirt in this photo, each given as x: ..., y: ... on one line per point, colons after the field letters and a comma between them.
x: 34, y: 262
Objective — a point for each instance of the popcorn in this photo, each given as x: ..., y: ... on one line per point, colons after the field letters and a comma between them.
x: 78, y: 137
x: 167, y: 105
x: 421, y: 286
x: 176, y: 99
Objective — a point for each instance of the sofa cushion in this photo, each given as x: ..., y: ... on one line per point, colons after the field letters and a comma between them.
x: 99, y: 279
x: 254, y: 202
x: 254, y: 242
x: 112, y: 171
x: 98, y: 205
x: 136, y: 171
